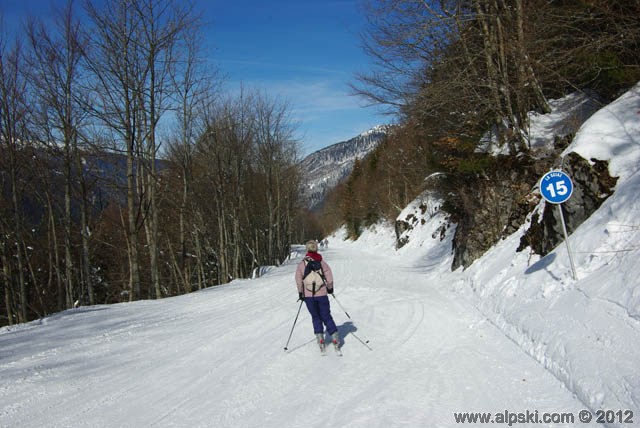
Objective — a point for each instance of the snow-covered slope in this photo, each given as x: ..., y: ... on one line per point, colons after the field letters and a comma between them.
x: 324, y: 169
x: 215, y: 358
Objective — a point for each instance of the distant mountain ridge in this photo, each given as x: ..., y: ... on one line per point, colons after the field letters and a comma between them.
x: 324, y: 169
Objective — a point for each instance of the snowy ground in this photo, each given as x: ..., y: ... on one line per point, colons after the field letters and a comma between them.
x: 216, y: 359
x: 511, y: 333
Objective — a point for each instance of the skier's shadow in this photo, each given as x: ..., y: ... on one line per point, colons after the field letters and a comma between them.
x: 345, y: 329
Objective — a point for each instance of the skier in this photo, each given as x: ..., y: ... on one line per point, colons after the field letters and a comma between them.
x: 314, y: 280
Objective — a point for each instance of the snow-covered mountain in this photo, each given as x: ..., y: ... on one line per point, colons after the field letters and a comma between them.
x: 324, y: 169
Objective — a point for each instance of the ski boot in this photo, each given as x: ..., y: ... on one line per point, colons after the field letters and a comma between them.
x: 320, y: 340
x: 335, y: 339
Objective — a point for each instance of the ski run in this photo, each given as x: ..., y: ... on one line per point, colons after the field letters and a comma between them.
x: 215, y: 358
x: 513, y: 334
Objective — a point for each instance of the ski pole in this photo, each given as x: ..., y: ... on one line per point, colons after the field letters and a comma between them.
x: 341, y: 307
x: 294, y: 325
x: 348, y: 316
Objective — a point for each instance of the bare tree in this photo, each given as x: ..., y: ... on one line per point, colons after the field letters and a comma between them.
x: 246, y: 182
x: 194, y: 89
x: 226, y: 147
x: 118, y: 66
x: 132, y: 59
x: 401, y: 37
x: 116, y: 79
x: 465, y: 59
x: 55, y: 72
x: 163, y: 24
x: 14, y: 139
x: 276, y: 151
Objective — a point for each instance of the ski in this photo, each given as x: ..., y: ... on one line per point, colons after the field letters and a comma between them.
x: 336, y: 346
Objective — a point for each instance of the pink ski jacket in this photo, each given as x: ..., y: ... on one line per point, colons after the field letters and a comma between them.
x: 322, y: 291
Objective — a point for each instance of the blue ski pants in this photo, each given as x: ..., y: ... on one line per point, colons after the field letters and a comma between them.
x: 320, y: 311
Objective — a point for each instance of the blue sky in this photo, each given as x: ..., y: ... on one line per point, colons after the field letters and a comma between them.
x: 303, y: 51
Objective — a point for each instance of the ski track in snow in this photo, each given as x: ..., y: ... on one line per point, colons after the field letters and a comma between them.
x: 215, y: 358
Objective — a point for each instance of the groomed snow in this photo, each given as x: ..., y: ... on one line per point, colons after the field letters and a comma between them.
x: 215, y: 358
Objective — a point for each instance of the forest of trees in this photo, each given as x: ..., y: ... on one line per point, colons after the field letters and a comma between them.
x: 455, y: 70
x: 125, y: 173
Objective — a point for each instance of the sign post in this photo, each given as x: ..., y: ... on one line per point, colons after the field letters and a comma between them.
x: 556, y: 187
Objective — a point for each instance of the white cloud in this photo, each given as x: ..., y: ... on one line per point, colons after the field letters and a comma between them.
x: 322, y: 108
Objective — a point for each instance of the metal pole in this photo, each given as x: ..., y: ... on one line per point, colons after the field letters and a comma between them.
x: 364, y: 342
x: 294, y: 325
x: 566, y: 240
x: 341, y: 307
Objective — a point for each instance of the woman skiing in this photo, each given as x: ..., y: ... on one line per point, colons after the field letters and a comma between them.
x: 314, y: 280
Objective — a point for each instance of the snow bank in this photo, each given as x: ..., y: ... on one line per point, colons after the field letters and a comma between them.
x: 613, y: 134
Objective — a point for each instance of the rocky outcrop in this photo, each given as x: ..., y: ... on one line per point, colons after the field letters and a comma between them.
x: 499, y: 204
x: 491, y: 206
x: 592, y: 186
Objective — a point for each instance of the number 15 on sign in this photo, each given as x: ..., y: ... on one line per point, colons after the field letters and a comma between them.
x: 556, y: 187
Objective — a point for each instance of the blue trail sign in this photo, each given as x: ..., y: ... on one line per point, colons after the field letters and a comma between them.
x: 556, y: 187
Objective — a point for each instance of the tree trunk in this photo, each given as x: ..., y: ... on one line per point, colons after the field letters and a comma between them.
x: 68, y: 258
x: 85, y: 234
x: 6, y: 279
x: 489, y: 55
x: 526, y: 69
x: 19, y: 257
x: 54, y: 259
x: 132, y: 232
